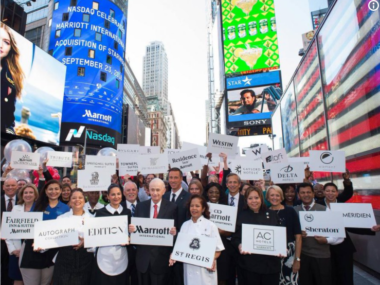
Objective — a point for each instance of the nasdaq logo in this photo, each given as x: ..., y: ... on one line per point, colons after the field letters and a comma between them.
x: 74, y: 133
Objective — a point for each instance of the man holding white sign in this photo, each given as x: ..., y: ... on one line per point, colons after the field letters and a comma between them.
x: 152, y: 261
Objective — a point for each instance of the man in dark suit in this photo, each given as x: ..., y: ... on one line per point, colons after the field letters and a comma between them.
x: 8, y: 201
x: 180, y: 197
x: 152, y: 262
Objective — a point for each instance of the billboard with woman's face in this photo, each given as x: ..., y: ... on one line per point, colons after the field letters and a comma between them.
x: 32, y: 87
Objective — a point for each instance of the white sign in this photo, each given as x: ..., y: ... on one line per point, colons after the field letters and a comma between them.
x: 128, y: 163
x: 322, y: 223
x: 95, y: 179
x: 153, y: 163
x: 170, y: 151
x: 304, y: 160
x: 223, y: 216
x: 255, y: 153
x: 25, y: 160
x: 152, y: 231
x: 202, y: 150
x: 194, y: 249
x: 285, y: 173
x: 128, y: 149
x: 327, y: 161
x: 59, y: 159
x: 144, y: 150
x: 19, y: 225
x: 106, y: 231
x: 355, y: 215
x: 274, y: 157
x: 247, y: 169
x: 101, y: 162
x: 267, y: 240
x: 222, y: 143
x: 187, y: 160
x: 52, y: 234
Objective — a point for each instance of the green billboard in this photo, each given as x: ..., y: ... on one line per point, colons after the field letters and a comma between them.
x: 249, y: 36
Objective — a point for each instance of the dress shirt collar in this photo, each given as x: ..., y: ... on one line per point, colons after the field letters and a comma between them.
x: 176, y: 194
x: 158, y: 204
x: 113, y: 210
x: 236, y: 199
x: 129, y: 204
x: 311, y: 206
x: 7, y: 199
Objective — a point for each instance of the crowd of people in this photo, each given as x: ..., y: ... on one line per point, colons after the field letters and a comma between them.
x: 310, y: 260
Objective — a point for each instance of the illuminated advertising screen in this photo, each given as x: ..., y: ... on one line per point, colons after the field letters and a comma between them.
x: 89, y: 38
x: 249, y: 36
x: 32, y: 87
x: 251, y: 99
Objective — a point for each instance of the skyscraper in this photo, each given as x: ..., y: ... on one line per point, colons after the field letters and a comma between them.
x: 155, y: 72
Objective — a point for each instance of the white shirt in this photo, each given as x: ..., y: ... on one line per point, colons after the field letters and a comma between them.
x: 98, y: 206
x: 236, y: 199
x: 112, y: 210
x: 152, y: 208
x: 129, y: 204
x: 15, y: 244
x: 311, y: 206
x: 176, y: 194
x: 7, y: 201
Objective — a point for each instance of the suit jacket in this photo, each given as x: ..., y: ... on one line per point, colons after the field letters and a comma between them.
x: 155, y: 256
x: 124, y: 203
x: 181, y: 204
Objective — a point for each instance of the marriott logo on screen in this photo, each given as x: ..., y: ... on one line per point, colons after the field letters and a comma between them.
x: 90, y: 135
x: 97, y: 116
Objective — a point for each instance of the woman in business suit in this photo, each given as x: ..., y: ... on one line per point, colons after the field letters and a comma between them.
x: 73, y: 264
x: 256, y: 268
x: 111, y: 262
x: 26, y: 199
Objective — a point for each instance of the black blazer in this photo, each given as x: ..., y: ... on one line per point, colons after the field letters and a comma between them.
x: 124, y: 204
x: 181, y: 204
x: 155, y: 256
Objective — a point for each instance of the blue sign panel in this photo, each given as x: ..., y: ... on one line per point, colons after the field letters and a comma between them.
x: 89, y: 38
x: 257, y: 79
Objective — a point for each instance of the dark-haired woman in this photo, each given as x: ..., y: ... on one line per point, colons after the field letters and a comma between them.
x: 199, y: 224
x: 111, y: 262
x: 73, y: 264
x: 256, y: 268
x: 37, y: 267
x: 290, y: 195
x: 214, y: 194
x: 66, y: 192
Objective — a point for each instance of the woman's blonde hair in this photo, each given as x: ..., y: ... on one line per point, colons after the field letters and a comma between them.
x: 13, y: 62
x: 198, y: 184
x: 21, y: 193
x: 277, y: 189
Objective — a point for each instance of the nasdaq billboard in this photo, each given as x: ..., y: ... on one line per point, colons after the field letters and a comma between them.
x: 89, y: 38
x: 249, y: 36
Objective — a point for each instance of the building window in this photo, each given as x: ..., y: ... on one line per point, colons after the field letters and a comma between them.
x: 103, y: 76
x: 56, y: 5
x: 65, y: 17
x: 109, y: 59
x: 95, y: 5
x: 91, y: 53
x: 50, y: 52
x: 68, y: 51
x: 106, y: 24
x: 86, y: 18
x: 81, y: 71
x: 112, y: 13
x: 98, y: 37
x: 119, y: 33
x: 117, y: 83
x: 77, y: 32
x: 57, y: 33
x: 73, y: 2
x: 50, y: 20
x: 115, y: 45
x: 34, y: 36
x: 121, y: 68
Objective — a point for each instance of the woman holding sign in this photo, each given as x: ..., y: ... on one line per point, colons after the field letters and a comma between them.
x: 73, y: 264
x: 201, y: 225
x: 26, y: 199
x: 37, y: 267
x: 256, y: 268
x: 111, y: 262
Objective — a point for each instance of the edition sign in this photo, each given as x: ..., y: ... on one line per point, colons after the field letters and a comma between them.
x: 223, y: 216
x: 322, y: 223
x: 19, y: 225
x: 106, y: 231
x: 152, y: 231
x: 355, y: 215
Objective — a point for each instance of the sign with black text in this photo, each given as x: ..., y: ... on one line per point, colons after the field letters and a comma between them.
x: 59, y: 159
x: 53, y: 234
x: 106, y: 231
x: 355, y: 215
x: 25, y: 160
x: 222, y: 143
x: 19, y: 225
x: 246, y: 168
x: 128, y: 163
x: 267, y: 240
x: 194, y: 249
x: 153, y: 163
x: 327, y: 161
x: 285, y: 173
x: 187, y: 160
x: 144, y: 150
x: 152, y: 231
x: 304, y: 160
x: 202, y: 150
x: 128, y: 149
x: 101, y: 162
x: 95, y: 179
x: 223, y: 216
x: 255, y: 152
x: 322, y: 223
x: 273, y: 157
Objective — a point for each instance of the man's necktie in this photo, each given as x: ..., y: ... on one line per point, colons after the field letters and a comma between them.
x: 133, y: 208
x: 10, y: 205
x: 155, y: 214
x: 173, y: 197
x: 307, y: 208
x: 232, y: 203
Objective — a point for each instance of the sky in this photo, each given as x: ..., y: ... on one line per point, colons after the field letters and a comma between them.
x: 182, y: 27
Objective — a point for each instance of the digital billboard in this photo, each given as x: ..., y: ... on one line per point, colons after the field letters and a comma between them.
x: 32, y: 87
x: 251, y: 99
x: 89, y: 38
x: 249, y: 36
